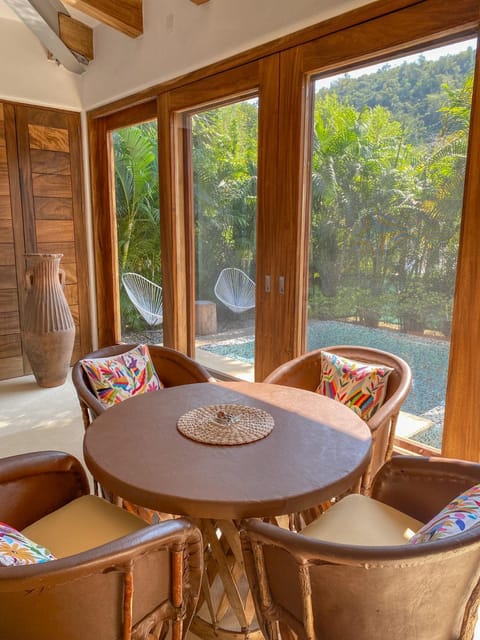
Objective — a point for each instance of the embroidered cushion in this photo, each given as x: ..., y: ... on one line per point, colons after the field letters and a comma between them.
x: 116, y: 378
x: 461, y: 514
x: 17, y: 549
x: 360, y: 386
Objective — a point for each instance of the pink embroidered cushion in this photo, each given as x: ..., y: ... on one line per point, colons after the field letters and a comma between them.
x: 17, y: 549
x: 360, y: 386
x: 461, y: 514
x: 116, y: 378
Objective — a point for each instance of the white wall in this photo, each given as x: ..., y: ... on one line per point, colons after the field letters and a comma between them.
x: 181, y: 37
x: 26, y: 74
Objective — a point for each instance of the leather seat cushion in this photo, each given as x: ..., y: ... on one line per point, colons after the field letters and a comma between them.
x: 82, y: 524
x: 360, y: 520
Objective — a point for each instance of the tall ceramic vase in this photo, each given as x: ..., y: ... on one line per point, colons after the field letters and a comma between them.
x: 48, y: 328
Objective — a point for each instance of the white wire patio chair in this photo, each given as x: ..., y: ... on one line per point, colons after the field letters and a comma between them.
x: 235, y: 290
x: 146, y: 297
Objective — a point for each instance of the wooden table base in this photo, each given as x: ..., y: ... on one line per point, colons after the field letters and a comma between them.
x: 226, y: 608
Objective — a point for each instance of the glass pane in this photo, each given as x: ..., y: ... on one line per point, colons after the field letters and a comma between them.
x: 138, y: 232
x: 388, y: 162
x: 224, y: 146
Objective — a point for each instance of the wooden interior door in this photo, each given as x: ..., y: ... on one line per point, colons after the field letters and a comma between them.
x: 41, y: 211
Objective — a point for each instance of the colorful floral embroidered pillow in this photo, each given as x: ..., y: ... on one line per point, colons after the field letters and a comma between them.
x: 461, y: 514
x: 17, y: 549
x: 117, y: 378
x: 360, y: 386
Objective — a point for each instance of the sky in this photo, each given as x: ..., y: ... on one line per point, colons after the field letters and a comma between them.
x: 429, y: 54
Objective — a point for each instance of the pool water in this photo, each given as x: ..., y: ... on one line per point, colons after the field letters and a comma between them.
x: 427, y: 357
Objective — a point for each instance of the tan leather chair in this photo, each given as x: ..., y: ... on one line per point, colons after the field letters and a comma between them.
x: 173, y: 368
x: 332, y: 591
x: 131, y: 588
x: 304, y: 372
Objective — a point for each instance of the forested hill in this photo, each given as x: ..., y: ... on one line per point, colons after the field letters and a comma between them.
x: 412, y: 91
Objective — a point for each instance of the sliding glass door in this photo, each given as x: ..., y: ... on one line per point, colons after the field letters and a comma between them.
x: 345, y: 194
x: 135, y: 170
x: 225, y: 167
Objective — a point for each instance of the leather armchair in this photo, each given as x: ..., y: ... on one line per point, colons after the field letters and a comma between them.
x: 133, y: 587
x: 173, y: 368
x: 326, y: 590
x: 304, y: 372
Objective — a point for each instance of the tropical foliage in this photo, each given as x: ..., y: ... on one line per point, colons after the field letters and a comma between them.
x: 225, y: 191
x: 137, y: 207
x: 386, y: 212
x: 388, y: 161
x: 136, y: 199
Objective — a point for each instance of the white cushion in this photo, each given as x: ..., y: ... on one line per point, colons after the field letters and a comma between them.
x: 82, y: 524
x: 360, y: 520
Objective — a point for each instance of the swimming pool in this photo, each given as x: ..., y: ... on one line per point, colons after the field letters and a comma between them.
x: 428, y: 357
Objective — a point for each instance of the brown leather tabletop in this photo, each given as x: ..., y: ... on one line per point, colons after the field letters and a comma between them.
x: 317, y: 449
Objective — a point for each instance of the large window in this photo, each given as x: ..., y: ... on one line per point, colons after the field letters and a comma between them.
x: 347, y: 193
x: 389, y: 151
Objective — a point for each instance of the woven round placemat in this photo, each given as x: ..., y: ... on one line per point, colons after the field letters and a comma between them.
x: 225, y: 424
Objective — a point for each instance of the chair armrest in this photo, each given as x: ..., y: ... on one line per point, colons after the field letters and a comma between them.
x: 421, y: 486
x: 392, y: 405
x: 35, y: 484
x: 119, y: 552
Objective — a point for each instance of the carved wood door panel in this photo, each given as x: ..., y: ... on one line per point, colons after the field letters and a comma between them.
x: 43, y: 167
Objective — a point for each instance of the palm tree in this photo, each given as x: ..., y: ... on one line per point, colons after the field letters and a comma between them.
x: 136, y: 198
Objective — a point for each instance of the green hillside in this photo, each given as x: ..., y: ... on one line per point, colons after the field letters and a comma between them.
x: 412, y: 91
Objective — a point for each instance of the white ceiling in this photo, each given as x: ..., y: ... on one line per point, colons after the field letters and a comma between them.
x: 6, y: 13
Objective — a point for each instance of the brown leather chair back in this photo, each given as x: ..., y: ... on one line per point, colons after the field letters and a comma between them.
x: 332, y: 591
x: 173, y: 368
x: 304, y: 372
x: 133, y: 588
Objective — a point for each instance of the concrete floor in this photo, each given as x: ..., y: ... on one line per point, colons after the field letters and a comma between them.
x: 34, y: 419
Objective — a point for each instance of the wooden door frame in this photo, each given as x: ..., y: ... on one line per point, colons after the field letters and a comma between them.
x: 104, y: 227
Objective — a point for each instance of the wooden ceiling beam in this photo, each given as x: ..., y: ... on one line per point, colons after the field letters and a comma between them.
x: 76, y: 35
x: 123, y: 15
x: 41, y: 17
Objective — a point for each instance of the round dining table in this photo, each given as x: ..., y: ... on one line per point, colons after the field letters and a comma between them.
x: 317, y: 449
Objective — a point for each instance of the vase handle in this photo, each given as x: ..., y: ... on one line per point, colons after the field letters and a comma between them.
x: 61, y: 277
x: 28, y: 279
